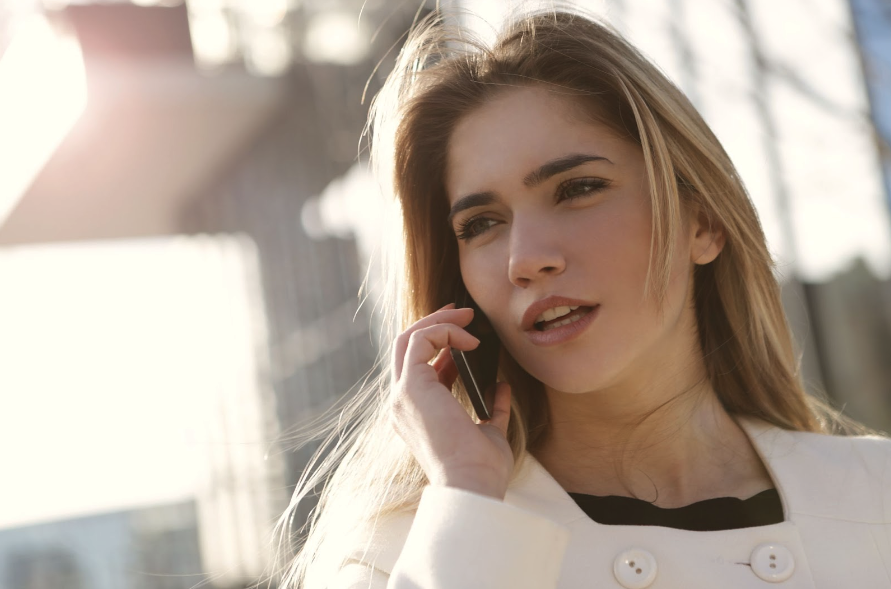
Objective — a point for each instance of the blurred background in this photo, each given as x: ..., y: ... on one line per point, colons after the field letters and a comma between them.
x: 186, y: 219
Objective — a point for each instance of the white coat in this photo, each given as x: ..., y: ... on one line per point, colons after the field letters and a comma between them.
x: 836, y: 496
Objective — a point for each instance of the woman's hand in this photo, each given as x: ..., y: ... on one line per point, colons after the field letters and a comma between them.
x: 452, y: 449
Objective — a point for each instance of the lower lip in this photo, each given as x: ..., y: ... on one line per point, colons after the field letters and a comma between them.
x: 564, y: 333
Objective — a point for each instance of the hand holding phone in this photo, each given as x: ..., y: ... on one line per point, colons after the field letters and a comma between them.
x: 450, y: 447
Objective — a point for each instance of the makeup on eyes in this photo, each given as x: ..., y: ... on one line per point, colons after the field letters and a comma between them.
x: 534, y: 178
x: 590, y: 186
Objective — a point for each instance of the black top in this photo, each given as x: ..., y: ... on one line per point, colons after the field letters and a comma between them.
x: 722, y: 513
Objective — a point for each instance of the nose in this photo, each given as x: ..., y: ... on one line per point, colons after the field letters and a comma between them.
x: 535, y: 252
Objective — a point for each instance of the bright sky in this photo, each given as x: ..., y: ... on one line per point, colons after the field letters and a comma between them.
x: 115, y: 356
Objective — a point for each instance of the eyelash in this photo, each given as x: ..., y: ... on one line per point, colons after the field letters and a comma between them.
x: 593, y: 186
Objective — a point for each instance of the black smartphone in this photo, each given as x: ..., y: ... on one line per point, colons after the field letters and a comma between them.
x: 478, y: 368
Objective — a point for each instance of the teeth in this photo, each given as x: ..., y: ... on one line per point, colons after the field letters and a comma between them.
x: 554, y: 313
x: 572, y: 319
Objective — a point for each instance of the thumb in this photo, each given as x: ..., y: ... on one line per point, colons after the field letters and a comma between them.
x: 501, y: 407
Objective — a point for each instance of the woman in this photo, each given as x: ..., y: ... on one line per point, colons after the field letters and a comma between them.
x: 650, y: 426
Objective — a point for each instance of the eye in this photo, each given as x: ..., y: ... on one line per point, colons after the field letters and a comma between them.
x: 578, y: 187
x: 473, y: 227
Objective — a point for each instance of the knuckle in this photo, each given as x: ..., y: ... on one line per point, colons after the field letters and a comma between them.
x: 417, y: 335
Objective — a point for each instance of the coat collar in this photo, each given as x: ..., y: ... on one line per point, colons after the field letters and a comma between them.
x: 826, y: 476
x: 814, y: 474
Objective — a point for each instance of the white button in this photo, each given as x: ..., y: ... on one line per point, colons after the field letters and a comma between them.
x: 772, y: 562
x: 635, y: 568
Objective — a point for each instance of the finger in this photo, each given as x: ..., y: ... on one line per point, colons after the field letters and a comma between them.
x: 425, y: 343
x: 445, y: 367
x: 501, y: 407
x: 460, y: 317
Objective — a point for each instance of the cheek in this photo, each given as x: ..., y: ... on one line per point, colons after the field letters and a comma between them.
x: 485, y: 276
x: 614, y: 252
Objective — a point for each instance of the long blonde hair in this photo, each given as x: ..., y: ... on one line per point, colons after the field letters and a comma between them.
x: 439, y: 77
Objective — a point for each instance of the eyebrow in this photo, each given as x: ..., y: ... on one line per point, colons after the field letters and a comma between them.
x: 532, y: 179
x: 558, y: 166
x: 477, y: 199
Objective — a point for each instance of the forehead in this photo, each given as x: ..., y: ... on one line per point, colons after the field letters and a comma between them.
x: 517, y: 131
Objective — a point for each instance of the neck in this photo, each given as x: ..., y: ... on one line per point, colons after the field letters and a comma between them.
x: 673, y: 450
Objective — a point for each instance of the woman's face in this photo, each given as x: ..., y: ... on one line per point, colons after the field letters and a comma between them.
x: 547, y: 204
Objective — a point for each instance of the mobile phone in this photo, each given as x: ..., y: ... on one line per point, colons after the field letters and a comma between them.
x: 478, y: 368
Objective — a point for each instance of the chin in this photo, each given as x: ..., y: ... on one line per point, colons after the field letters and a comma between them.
x: 567, y: 383
x: 571, y: 371
x: 576, y: 371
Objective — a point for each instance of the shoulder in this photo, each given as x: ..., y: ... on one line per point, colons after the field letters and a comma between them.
x: 867, y: 458
x: 845, y: 477
x: 871, y: 452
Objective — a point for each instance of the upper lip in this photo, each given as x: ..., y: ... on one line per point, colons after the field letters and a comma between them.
x: 539, y: 307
